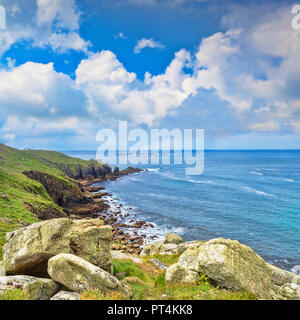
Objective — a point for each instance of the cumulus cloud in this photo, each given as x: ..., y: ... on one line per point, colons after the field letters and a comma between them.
x: 261, y: 86
x: 52, y: 23
x: 147, y: 43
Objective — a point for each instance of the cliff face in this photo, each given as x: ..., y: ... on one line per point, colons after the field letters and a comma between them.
x: 63, y: 193
x: 38, y: 185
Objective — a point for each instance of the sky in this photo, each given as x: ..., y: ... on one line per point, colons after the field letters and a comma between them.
x: 69, y: 68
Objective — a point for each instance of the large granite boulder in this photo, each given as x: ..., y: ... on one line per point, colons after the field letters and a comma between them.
x: 230, y: 264
x: 178, y: 274
x: 41, y: 289
x: 79, y: 275
x: 28, y: 250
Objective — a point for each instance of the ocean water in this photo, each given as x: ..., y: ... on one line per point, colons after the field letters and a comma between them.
x: 250, y: 196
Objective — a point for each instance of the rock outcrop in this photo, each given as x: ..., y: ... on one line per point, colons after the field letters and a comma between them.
x: 230, y: 264
x: 78, y: 275
x: 28, y: 250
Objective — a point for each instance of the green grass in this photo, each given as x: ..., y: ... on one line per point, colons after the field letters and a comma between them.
x: 17, y: 190
x: 13, y: 294
x: 130, y: 268
x: 154, y: 287
x: 166, y: 259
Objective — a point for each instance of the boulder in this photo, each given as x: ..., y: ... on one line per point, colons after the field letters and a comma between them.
x: 281, y: 277
x: 168, y: 249
x: 79, y: 275
x: 28, y: 250
x: 160, y: 265
x: 34, y: 288
x: 2, y: 269
x: 15, y: 282
x: 41, y: 289
x: 159, y: 247
x: 189, y: 245
x: 64, y: 295
x: 152, y: 248
x: 290, y: 291
x: 232, y: 264
x: 178, y: 274
x: 173, y: 238
x: 125, y: 256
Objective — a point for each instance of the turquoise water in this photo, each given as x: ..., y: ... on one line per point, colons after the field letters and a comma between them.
x: 250, y: 196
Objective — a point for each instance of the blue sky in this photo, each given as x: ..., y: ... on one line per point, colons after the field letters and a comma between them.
x: 69, y: 68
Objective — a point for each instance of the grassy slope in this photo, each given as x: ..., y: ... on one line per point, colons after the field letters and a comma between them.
x: 16, y: 188
x: 151, y: 285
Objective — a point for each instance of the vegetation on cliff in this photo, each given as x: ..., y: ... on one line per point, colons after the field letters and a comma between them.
x: 24, y: 199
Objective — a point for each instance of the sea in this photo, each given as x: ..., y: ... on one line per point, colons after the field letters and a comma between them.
x: 250, y: 196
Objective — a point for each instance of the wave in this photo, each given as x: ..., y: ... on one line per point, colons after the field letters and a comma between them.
x: 258, y: 192
x: 153, y: 170
x: 283, y: 179
x: 257, y: 173
x: 172, y: 177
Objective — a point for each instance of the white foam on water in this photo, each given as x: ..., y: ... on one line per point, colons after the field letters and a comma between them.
x: 153, y: 169
x: 155, y: 233
x: 172, y: 177
x: 258, y: 192
x: 296, y: 269
x: 257, y: 173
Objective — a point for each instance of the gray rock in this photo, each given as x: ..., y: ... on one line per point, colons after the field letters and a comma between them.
x: 173, y: 238
x: 28, y: 249
x: 15, y: 282
x: 189, y: 245
x: 281, y: 277
x: 2, y: 269
x: 79, y: 275
x: 41, y: 289
x: 296, y: 270
x: 232, y: 264
x: 178, y: 274
x: 152, y: 248
x: 125, y: 256
x: 168, y: 249
x: 64, y: 295
x: 290, y: 291
x: 160, y: 265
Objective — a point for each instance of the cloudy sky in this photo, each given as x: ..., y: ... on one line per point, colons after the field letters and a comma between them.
x: 71, y: 67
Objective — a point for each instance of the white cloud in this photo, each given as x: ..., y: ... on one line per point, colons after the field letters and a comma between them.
x: 265, y: 127
x: 53, y: 23
x: 62, y: 13
x: 147, y: 43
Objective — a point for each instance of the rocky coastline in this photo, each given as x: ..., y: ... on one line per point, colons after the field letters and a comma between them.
x: 126, y: 236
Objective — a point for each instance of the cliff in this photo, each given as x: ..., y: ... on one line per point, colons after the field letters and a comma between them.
x: 40, y: 185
